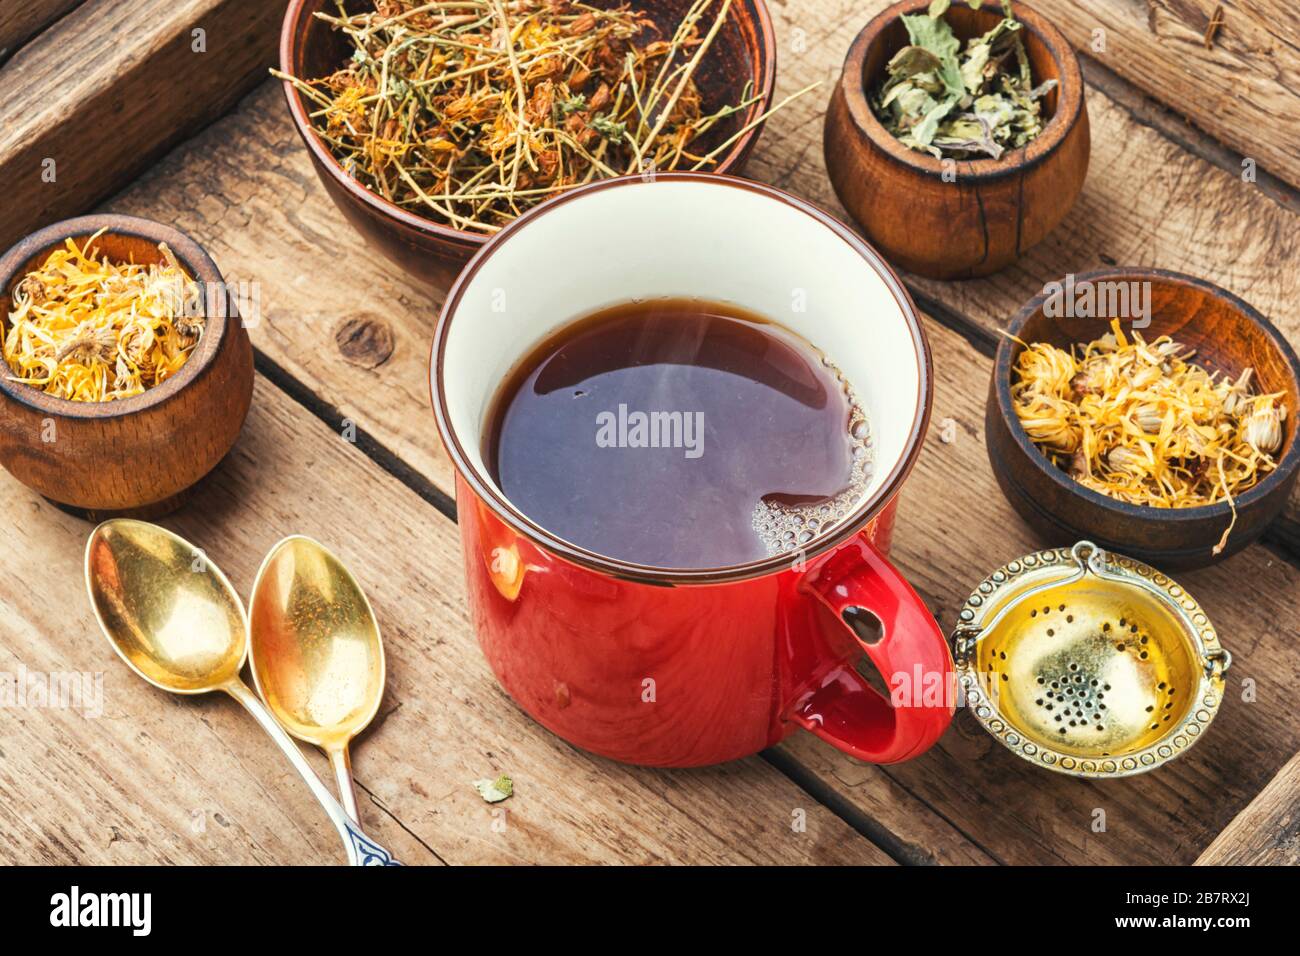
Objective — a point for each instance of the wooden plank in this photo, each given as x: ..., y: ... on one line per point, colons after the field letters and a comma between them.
x: 159, y: 779
x: 1244, y: 88
x: 19, y: 22
x: 916, y: 834
x: 91, y: 102
x: 1268, y: 831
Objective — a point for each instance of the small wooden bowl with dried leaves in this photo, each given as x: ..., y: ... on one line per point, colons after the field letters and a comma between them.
x: 125, y: 373
x: 1151, y: 412
x: 956, y: 139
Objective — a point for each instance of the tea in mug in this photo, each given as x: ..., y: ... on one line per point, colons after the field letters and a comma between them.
x: 679, y: 433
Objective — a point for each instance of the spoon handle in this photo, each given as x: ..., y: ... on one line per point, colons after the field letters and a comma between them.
x: 341, y: 761
x: 362, y: 851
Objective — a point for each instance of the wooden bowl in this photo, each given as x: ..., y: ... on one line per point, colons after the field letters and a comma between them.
x: 988, y: 211
x: 1228, y: 335
x: 135, y: 456
x: 744, y: 52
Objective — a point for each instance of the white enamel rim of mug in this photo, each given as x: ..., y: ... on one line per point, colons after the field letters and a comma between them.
x: 703, y: 235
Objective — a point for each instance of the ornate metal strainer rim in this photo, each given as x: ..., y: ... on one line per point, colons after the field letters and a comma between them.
x: 1051, y: 568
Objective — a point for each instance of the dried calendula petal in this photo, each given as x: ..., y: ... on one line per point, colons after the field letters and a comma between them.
x: 86, y: 329
x: 1140, y: 422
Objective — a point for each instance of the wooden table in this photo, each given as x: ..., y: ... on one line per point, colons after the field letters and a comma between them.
x: 106, y: 87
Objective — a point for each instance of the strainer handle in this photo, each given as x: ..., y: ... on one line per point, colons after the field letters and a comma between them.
x: 888, y: 622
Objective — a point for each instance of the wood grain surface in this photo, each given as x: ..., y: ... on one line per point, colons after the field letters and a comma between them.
x: 1268, y: 831
x: 343, y: 338
x: 92, y: 101
x: 20, y: 21
x: 1243, y: 87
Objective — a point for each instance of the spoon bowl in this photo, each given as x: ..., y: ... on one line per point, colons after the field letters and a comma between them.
x: 317, y: 657
x: 170, y: 614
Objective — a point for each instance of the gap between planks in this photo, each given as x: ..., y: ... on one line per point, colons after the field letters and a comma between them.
x: 20, y: 22
x: 372, y: 447
x: 1147, y: 111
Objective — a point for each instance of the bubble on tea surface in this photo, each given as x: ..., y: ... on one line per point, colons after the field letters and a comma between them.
x: 784, y: 527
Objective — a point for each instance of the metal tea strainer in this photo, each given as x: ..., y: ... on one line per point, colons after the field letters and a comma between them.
x: 1089, y: 663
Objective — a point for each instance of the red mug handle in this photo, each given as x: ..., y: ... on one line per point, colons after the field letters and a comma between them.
x: 857, y: 584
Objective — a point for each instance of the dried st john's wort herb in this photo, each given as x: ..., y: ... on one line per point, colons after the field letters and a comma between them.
x: 471, y: 112
x: 961, y: 103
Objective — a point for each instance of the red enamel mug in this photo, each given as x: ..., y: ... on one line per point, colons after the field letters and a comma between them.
x: 683, y: 667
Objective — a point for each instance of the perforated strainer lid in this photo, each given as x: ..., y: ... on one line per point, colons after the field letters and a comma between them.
x: 1089, y: 663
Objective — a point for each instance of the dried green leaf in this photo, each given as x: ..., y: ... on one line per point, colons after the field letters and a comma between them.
x: 949, y: 101
x: 936, y: 36
x: 494, y: 791
x: 608, y: 128
x: 924, y: 132
x: 913, y: 60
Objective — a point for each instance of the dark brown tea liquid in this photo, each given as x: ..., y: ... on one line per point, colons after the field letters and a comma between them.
x: 679, y: 433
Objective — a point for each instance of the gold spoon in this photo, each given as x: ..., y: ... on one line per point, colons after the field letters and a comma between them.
x: 315, y: 651
x: 173, y: 617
